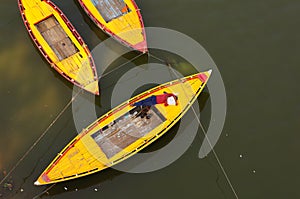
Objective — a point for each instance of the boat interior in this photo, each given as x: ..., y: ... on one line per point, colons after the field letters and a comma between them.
x: 127, y: 129
x: 56, y: 37
x: 111, y: 9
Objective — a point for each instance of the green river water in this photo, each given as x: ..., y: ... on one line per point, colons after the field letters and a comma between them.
x: 255, y: 45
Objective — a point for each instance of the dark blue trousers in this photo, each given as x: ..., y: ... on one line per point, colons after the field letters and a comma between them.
x: 146, y: 102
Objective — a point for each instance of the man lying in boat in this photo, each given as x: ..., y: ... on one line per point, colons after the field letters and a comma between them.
x: 143, y: 106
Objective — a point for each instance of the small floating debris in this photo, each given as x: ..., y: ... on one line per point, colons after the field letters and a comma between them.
x: 65, y: 188
x: 21, y: 190
x: 4, y: 172
x: 8, y: 186
x: 96, y: 189
x: 254, y: 171
x: 241, y: 156
x: 76, y: 189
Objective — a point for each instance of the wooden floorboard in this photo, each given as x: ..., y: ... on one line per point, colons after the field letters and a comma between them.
x: 110, y: 9
x: 57, y: 38
x: 126, y: 130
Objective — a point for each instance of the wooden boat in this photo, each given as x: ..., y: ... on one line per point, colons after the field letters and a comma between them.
x: 119, y: 134
x: 120, y: 19
x: 59, y: 43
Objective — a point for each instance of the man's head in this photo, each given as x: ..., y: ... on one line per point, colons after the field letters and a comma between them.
x: 172, y: 100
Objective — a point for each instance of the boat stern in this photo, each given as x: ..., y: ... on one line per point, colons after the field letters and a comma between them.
x: 204, y: 76
x: 142, y: 47
x: 93, y: 88
x: 42, y: 180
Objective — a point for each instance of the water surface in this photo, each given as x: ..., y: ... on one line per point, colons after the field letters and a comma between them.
x: 255, y: 45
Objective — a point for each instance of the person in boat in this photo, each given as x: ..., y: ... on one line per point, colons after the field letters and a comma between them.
x: 166, y: 98
x: 142, y: 107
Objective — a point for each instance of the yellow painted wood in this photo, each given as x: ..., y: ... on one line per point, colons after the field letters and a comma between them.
x: 79, y: 67
x: 127, y: 27
x: 82, y: 156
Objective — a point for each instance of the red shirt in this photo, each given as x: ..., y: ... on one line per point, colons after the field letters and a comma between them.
x: 162, y: 99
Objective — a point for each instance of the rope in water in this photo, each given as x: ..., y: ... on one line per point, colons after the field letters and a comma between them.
x: 203, y: 130
x: 45, y: 191
x: 37, y: 141
x: 55, y: 120
x: 121, y: 65
x: 74, y: 97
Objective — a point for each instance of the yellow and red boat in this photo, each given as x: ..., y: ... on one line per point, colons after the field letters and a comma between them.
x: 59, y: 43
x: 120, y: 134
x: 120, y: 19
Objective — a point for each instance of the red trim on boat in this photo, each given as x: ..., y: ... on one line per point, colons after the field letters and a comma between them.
x: 73, y: 30
x: 202, y: 77
x: 142, y: 47
x: 46, y: 178
x: 114, y: 112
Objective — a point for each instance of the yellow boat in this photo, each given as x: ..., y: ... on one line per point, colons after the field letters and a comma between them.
x: 59, y: 43
x: 120, y: 133
x: 120, y: 19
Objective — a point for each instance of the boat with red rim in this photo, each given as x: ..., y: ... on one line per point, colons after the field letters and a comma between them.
x: 59, y: 43
x: 123, y: 131
x: 120, y: 19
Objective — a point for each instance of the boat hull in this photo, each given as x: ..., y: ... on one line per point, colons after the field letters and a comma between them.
x: 120, y: 133
x: 126, y: 26
x: 59, y: 43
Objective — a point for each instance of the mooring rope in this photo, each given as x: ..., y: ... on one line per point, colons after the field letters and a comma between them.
x: 45, y: 191
x: 76, y: 95
x: 55, y: 120
x: 204, y: 132
x: 105, y: 74
x: 41, y: 136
